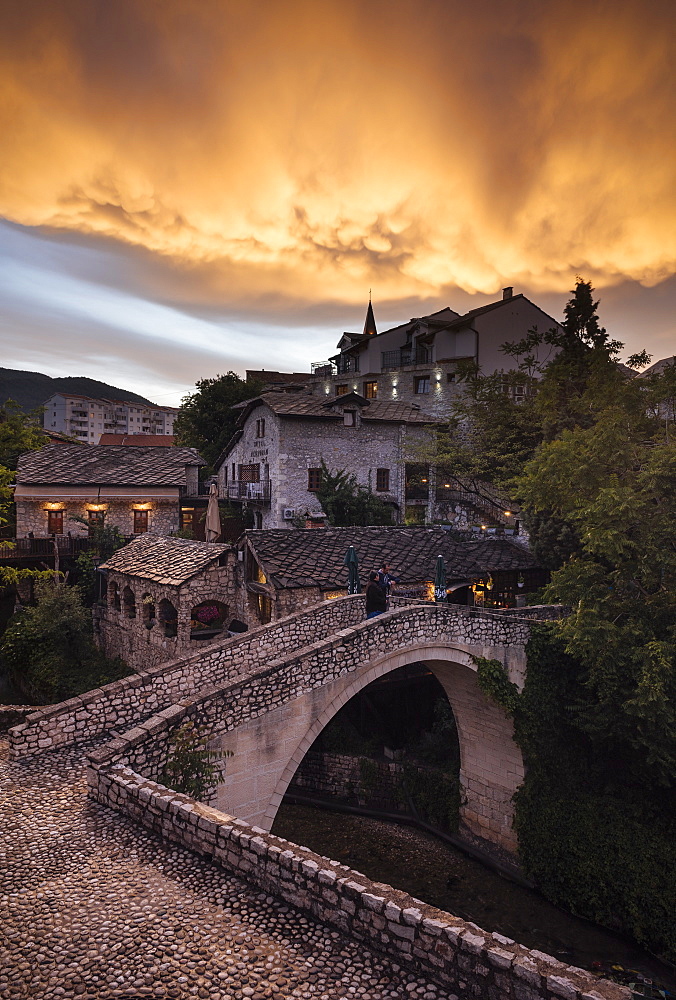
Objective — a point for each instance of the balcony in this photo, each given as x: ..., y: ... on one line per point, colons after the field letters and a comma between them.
x: 342, y: 365
x: 392, y: 360
x: 256, y: 492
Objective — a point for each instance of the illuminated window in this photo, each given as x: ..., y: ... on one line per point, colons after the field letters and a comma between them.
x: 55, y: 522
x: 382, y: 480
x: 314, y: 479
x: 370, y: 390
x: 140, y: 522
x: 422, y: 385
x: 341, y: 390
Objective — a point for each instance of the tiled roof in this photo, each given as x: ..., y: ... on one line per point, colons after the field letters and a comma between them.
x: 106, y: 465
x: 314, y: 557
x: 139, y: 440
x: 164, y: 560
x: 309, y: 405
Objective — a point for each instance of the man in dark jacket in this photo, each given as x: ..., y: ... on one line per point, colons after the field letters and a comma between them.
x: 376, y: 601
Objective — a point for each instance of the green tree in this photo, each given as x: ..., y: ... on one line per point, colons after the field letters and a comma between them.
x: 19, y: 432
x: 346, y: 502
x: 206, y: 420
x: 105, y: 540
x: 48, y: 650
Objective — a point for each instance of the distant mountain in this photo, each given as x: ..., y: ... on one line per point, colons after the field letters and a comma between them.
x: 32, y: 389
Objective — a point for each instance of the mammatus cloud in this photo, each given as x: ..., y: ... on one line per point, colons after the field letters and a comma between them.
x: 306, y: 151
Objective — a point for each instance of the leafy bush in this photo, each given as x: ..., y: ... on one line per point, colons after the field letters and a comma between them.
x: 192, y: 768
x: 48, y: 651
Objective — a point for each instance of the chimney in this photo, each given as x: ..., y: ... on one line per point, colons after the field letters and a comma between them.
x: 507, y: 293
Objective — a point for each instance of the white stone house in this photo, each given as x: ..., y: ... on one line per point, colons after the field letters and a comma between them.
x: 165, y: 597
x: 135, y: 489
x: 272, y: 463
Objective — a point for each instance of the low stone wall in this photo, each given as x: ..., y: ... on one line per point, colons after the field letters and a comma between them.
x: 11, y: 715
x: 454, y: 953
x: 124, y: 702
x: 341, y: 775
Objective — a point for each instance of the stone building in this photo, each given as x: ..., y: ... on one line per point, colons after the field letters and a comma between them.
x: 281, y: 571
x: 135, y: 489
x: 417, y: 362
x: 272, y: 463
x: 165, y: 597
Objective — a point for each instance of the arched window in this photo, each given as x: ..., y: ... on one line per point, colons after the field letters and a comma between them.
x: 168, y: 618
x: 114, y: 596
x: 129, y: 602
x: 208, y: 619
x: 148, y: 610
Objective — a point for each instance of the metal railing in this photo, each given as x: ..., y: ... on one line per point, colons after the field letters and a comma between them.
x: 34, y: 548
x: 249, y: 491
x: 342, y: 365
x: 406, y: 356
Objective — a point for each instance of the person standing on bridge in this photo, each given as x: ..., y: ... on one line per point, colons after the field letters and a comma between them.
x: 376, y: 600
x: 386, y: 579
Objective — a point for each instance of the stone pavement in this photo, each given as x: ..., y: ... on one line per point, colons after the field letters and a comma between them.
x: 95, y: 908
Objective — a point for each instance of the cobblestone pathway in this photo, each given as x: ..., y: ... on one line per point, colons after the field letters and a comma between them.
x: 94, y: 907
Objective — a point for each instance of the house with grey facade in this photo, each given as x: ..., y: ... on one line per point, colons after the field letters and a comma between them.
x: 418, y: 361
x: 272, y: 464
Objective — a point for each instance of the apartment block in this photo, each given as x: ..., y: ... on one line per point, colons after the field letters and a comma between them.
x: 86, y: 419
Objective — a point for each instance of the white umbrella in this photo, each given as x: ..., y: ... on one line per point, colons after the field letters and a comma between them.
x: 213, y: 522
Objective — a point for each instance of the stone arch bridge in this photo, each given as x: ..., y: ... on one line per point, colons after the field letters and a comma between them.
x: 269, y: 709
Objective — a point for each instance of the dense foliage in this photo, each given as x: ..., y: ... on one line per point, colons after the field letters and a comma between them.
x: 105, y: 540
x: 596, y: 815
x: 19, y: 432
x: 346, y: 502
x: 48, y: 650
x: 596, y: 826
x: 206, y: 420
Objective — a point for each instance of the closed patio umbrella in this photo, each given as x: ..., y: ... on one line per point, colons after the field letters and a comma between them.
x: 352, y: 563
x: 440, y: 581
x: 212, y: 526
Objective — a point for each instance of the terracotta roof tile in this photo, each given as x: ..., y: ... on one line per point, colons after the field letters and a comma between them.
x: 165, y: 560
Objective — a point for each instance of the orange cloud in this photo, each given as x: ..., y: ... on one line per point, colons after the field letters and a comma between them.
x: 316, y: 149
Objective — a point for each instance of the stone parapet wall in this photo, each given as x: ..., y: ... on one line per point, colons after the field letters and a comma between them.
x: 125, y: 702
x: 454, y: 953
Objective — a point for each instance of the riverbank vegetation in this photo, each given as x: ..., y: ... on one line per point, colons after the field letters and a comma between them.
x: 596, y: 722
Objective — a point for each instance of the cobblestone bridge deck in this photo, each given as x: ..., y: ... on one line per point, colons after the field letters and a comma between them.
x: 94, y: 907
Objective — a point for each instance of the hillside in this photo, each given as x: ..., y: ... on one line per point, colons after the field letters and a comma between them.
x: 31, y: 389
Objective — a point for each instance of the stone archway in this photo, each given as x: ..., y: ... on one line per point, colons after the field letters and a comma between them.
x: 267, y: 750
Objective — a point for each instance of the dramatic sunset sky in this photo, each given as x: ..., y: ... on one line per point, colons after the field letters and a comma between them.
x: 192, y: 186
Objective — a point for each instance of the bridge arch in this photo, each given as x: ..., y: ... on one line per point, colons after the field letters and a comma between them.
x: 269, y: 749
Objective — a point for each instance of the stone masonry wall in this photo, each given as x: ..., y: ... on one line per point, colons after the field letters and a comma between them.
x: 141, y: 647
x: 455, y: 953
x: 340, y: 775
x: 124, y: 702
x: 31, y: 515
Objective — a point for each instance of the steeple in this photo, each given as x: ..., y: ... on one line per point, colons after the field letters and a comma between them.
x: 370, y: 323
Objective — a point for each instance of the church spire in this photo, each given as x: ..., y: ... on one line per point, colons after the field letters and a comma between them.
x: 370, y: 322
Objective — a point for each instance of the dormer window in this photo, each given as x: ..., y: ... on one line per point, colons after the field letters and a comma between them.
x: 349, y: 418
